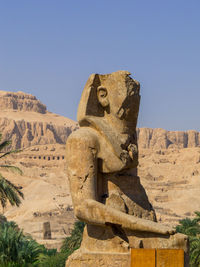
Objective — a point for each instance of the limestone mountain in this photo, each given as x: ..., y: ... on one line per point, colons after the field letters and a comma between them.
x: 21, y: 101
x: 26, y: 122
x: 161, y: 139
x: 169, y: 167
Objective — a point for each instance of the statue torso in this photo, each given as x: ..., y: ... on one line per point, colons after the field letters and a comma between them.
x: 118, y: 185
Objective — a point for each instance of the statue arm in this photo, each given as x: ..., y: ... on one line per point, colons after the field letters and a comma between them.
x: 82, y: 172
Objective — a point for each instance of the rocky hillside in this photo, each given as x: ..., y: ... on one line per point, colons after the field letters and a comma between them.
x: 171, y: 178
x: 169, y: 168
x: 21, y: 102
x: 26, y: 122
x: 162, y: 139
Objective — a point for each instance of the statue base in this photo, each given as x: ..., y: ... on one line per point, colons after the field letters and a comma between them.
x: 83, y: 258
x: 136, y: 258
x: 100, y: 247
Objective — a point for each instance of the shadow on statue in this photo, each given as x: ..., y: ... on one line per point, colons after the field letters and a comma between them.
x: 102, y: 160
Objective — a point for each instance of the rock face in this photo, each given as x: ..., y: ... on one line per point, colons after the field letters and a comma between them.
x: 162, y: 139
x: 24, y: 133
x: 21, y: 101
x: 25, y: 121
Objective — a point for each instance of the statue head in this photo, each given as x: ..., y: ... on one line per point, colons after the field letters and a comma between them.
x: 116, y: 94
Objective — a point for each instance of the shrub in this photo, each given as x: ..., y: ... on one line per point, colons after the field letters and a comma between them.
x: 191, y: 228
x: 70, y: 244
x: 73, y: 242
x: 16, y: 249
x: 57, y: 260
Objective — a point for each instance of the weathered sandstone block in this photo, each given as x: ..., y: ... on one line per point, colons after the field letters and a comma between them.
x: 102, y: 160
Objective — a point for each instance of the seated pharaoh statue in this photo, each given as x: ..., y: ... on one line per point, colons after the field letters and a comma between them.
x: 102, y: 160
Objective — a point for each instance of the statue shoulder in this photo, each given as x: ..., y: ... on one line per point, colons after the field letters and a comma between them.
x: 84, y: 136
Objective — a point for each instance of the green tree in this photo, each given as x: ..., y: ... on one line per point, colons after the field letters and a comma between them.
x: 73, y: 242
x: 191, y: 228
x: 188, y: 227
x: 195, y: 251
x: 8, y: 191
x: 56, y: 260
x: 70, y: 244
x: 197, y: 217
x: 16, y: 249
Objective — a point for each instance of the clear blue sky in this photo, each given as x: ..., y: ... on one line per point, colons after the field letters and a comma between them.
x: 50, y: 47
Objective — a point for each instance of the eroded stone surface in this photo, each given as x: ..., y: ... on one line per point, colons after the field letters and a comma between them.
x: 161, y: 139
x: 26, y: 122
x: 21, y: 101
x: 86, y: 259
x: 102, y: 160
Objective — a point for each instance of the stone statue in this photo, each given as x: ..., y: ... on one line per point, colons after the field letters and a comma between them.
x: 102, y: 159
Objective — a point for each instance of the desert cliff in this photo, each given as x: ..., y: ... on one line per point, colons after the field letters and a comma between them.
x: 169, y: 167
x: 162, y: 139
x: 26, y: 122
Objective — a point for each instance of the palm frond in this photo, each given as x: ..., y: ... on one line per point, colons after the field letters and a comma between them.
x: 4, y: 144
x: 10, y: 192
x: 195, y: 250
x: 16, y: 188
x: 12, y: 168
x: 188, y: 226
x: 16, y: 249
x: 197, y: 218
x: 10, y: 152
x: 73, y: 242
x: 3, y: 199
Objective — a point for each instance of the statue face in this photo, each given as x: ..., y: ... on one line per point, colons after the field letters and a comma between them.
x: 116, y: 94
x: 124, y: 101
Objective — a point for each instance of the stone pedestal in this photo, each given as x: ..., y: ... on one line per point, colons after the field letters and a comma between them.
x: 136, y: 258
x: 82, y: 258
x: 157, y: 258
x: 143, y: 258
x: 100, y: 247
